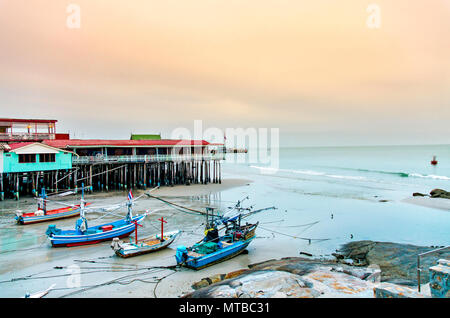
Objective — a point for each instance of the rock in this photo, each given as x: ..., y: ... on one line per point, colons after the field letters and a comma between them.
x: 387, y: 290
x: 208, y: 281
x: 338, y: 256
x: 235, y: 273
x: 398, y: 262
x: 306, y: 254
x: 418, y: 194
x: 348, y: 261
x: 200, y: 284
x: 259, y: 284
x: 294, y: 277
x: 439, y: 193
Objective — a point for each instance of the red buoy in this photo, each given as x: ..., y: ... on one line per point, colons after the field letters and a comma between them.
x: 434, y: 161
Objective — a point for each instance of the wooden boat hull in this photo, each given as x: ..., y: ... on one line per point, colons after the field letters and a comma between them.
x: 130, y: 250
x: 217, y: 257
x: 71, y: 238
x: 67, y: 212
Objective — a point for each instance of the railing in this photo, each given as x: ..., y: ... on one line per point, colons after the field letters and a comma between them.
x: 418, y: 262
x: 25, y: 136
x: 145, y: 158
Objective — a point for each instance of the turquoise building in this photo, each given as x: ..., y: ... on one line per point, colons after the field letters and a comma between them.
x: 31, y: 157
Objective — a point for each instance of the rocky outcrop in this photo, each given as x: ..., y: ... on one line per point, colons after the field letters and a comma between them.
x: 388, y: 290
x: 439, y: 193
x: 356, y: 271
x: 292, y: 277
x: 435, y: 193
x: 398, y: 262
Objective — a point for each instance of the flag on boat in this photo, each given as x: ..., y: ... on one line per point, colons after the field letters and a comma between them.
x: 130, y: 196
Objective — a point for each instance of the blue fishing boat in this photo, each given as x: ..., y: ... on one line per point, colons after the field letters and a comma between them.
x: 214, y: 248
x: 83, y: 235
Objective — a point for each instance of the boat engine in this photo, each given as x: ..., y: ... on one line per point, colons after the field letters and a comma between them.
x: 116, y: 244
x: 52, y: 230
x: 182, y: 254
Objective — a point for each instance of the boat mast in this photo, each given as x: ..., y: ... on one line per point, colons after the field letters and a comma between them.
x: 82, y: 202
x: 130, y: 210
x: 42, y: 204
x: 81, y: 224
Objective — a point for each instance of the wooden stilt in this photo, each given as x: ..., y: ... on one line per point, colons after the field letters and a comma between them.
x: 2, y: 193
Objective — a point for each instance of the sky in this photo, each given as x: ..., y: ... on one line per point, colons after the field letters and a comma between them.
x: 313, y: 69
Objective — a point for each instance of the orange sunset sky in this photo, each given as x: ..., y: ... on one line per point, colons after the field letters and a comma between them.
x: 313, y: 69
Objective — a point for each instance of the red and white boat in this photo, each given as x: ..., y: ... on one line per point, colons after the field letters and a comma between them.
x: 49, y: 215
x: 44, y: 215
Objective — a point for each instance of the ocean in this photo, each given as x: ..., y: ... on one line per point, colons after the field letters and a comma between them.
x: 334, y: 195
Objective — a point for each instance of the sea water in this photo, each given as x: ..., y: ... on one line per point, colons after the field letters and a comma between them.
x: 334, y: 195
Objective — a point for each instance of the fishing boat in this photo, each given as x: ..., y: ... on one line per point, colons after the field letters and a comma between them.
x: 146, y: 245
x: 84, y: 235
x: 143, y: 246
x: 214, y: 248
x: 44, y: 215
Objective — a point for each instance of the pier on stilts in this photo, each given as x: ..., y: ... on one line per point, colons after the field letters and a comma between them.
x: 115, y: 173
x: 33, y: 156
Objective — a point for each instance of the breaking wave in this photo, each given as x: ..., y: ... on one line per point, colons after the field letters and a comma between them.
x: 403, y: 174
x: 430, y: 176
x: 320, y: 173
x: 308, y: 172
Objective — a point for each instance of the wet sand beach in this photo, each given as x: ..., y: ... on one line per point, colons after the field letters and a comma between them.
x: 30, y: 264
x: 435, y: 203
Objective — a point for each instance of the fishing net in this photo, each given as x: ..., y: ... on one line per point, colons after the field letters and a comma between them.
x: 206, y: 248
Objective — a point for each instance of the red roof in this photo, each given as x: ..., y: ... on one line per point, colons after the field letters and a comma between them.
x: 71, y: 143
x: 17, y: 145
x: 28, y: 121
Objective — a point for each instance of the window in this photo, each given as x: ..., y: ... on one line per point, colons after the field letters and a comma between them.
x: 27, y: 158
x: 47, y: 157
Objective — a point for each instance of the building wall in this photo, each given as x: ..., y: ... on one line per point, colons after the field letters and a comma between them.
x: 63, y: 160
x: 1, y: 161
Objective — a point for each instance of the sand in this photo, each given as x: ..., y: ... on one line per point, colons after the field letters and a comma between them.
x: 199, y: 189
x: 435, y: 203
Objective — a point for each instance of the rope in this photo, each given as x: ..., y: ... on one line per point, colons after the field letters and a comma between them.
x: 56, y: 182
x: 177, y: 205
x: 115, y: 281
x: 301, y: 225
x: 296, y: 237
x: 96, y: 174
